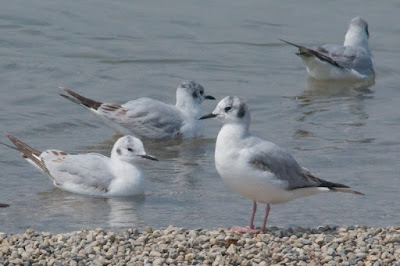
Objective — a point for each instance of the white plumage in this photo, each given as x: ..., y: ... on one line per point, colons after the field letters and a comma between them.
x: 147, y: 118
x: 92, y: 173
x: 259, y: 169
x: 351, y: 61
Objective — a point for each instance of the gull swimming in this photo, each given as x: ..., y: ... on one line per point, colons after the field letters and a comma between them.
x: 147, y: 118
x: 259, y: 169
x: 93, y: 173
x: 352, y: 60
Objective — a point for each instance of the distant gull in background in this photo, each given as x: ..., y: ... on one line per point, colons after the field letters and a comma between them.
x: 92, y: 173
x: 259, y: 169
x: 352, y: 60
x: 151, y: 119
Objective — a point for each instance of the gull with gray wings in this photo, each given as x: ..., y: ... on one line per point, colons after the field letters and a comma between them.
x: 351, y: 61
x: 259, y: 169
x: 91, y: 173
x: 147, y: 118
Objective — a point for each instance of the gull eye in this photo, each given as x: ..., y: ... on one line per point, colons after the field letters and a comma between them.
x: 201, y: 92
x: 130, y: 149
x: 228, y: 108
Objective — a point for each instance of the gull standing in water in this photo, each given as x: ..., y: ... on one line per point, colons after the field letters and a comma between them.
x: 92, y: 173
x: 259, y: 169
x: 151, y: 119
x: 352, y: 60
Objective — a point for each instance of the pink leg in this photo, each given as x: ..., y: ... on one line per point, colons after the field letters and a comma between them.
x: 253, y: 214
x: 266, y: 218
x: 249, y: 229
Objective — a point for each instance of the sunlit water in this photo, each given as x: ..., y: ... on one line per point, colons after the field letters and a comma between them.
x: 120, y: 50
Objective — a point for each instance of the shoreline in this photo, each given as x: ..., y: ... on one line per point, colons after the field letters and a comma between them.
x: 353, y: 245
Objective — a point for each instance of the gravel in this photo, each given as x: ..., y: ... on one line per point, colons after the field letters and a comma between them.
x: 356, y: 245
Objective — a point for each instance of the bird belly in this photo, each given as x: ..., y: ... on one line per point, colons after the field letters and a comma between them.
x: 123, y: 188
x: 324, y: 71
x: 259, y: 189
x: 79, y: 189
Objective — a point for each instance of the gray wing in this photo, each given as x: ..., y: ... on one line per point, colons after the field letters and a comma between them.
x: 146, y: 118
x: 88, y: 171
x: 349, y: 57
x: 268, y: 157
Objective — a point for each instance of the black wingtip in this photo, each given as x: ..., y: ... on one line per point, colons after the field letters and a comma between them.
x: 12, y: 147
x: 79, y: 99
x: 295, y: 45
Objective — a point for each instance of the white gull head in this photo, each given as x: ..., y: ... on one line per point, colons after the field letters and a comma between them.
x: 231, y: 110
x: 189, y: 96
x: 128, y: 149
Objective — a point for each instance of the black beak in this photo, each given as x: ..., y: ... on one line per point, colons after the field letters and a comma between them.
x: 209, y: 97
x: 149, y: 157
x: 207, y: 116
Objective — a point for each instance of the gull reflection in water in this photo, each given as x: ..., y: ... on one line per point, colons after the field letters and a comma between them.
x: 317, y: 89
x: 126, y: 212
x: 68, y: 211
x: 336, y: 105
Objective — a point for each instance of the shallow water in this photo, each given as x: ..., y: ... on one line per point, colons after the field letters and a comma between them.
x: 116, y: 51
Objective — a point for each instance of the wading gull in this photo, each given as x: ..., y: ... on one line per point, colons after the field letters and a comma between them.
x: 259, y: 169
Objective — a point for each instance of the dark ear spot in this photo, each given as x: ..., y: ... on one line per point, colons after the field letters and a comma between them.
x: 194, y: 94
x: 242, y: 111
x: 119, y: 151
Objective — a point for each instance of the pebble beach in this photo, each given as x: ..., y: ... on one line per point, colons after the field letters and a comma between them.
x: 358, y: 245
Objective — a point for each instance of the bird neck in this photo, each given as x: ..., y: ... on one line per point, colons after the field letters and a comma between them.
x: 232, y: 132
x: 189, y: 107
x: 356, y: 37
x: 123, y: 168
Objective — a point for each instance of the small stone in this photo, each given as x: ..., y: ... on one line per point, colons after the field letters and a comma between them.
x: 330, y: 252
x: 90, y: 237
x: 158, y: 261
x: 232, y: 249
x: 278, y: 233
x: 319, y: 240
x: 154, y: 253
x: 360, y: 255
x: 148, y: 229
x: 189, y: 256
x: 392, y: 239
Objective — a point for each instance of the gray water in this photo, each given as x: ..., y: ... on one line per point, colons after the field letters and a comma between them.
x: 120, y: 50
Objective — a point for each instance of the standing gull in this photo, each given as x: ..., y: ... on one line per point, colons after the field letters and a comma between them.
x: 152, y: 119
x: 259, y: 169
x: 352, y: 60
x: 92, y: 173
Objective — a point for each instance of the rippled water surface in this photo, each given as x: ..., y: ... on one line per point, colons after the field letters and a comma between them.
x: 120, y: 50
